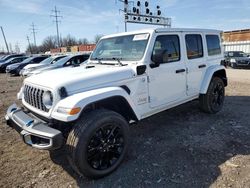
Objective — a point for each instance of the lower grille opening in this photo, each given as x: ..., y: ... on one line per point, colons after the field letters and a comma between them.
x: 39, y: 141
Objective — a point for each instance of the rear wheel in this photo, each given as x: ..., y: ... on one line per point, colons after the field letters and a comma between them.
x: 98, y: 143
x: 212, y: 101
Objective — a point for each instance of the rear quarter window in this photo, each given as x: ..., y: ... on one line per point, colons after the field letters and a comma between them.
x: 213, y: 45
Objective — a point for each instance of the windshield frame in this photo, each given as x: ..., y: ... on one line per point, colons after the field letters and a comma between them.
x: 114, y: 58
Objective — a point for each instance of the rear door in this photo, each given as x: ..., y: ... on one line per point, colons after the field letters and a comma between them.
x: 195, y: 61
x: 167, y: 83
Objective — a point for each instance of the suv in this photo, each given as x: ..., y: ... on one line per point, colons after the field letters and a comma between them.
x: 11, y: 61
x: 129, y: 76
x: 237, y: 59
x: 17, y: 67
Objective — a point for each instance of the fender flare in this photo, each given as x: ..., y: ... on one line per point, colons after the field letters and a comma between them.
x: 85, y: 98
x: 208, y: 76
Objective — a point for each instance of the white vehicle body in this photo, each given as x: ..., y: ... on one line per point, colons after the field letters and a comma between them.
x: 155, y: 89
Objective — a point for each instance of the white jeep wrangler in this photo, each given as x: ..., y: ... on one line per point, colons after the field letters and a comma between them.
x: 129, y: 76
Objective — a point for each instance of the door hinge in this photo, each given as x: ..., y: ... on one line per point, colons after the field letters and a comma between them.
x: 186, y: 87
x: 149, y: 99
x: 186, y: 70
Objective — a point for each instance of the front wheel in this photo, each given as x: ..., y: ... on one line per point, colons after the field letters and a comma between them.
x: 98, y: 142
x: 212, y: 102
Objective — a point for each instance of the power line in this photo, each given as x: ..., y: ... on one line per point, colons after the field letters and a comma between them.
x: 56, y: 16
x: 5, y: 40
x: 33, y: 32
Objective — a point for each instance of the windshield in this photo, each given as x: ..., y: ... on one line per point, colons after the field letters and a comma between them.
x: 237, y: 54
x: 130, y: 48
x: 63, y: 60
x: 47, y: 61
x: 27, y: 60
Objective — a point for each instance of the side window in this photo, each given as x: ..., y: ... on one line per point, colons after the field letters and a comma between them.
x: 166, y: 49
x: 194, y: 46
x: 213, y: 45
x: 38, y: 59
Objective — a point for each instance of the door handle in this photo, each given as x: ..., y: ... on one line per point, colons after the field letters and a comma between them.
x: 202, y: 66
x: 180, y: 71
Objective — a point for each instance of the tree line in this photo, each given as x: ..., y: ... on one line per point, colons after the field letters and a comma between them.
x: 50, y: 42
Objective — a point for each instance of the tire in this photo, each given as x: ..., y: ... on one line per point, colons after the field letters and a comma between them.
x: 212, y: 102
x: 98, y: 143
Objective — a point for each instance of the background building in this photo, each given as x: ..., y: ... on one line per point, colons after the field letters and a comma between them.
x: 238, y: 40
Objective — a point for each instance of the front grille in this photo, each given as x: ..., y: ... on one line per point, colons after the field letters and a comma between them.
x: 34, y: 97
x: 243, y: 62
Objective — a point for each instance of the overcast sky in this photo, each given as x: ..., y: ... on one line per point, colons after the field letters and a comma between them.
x: 86, y: 18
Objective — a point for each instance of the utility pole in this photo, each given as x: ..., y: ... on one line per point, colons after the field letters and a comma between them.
x: 5, y: 40
x: 33, y: 32
x: 56, y: 16
x: 28, y: 39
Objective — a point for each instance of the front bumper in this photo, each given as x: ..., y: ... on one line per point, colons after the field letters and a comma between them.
x: 34, y: 131
x: 247, y: 65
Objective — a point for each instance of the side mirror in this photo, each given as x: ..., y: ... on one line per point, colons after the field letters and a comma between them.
x: 157, y: 60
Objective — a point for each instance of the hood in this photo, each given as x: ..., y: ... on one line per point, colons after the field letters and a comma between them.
x: 76, y: 79
x: 45, y: 68
x: 34, y: 66
x: 13, y: 66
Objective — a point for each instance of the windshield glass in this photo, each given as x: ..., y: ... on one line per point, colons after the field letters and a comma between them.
x: 47, y: 61
x: 63, y: 60
x: 130, y: 48
x: 27, y: 60
x: 237, y: 54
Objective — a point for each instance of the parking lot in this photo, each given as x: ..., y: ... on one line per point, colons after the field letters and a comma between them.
x: 176, y: 148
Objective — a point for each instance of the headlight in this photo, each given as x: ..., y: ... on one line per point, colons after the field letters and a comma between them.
x: 48, y: 99
x: 30, y: 69
x: 232, y: 60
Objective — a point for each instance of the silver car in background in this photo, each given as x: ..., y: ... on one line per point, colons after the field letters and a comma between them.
x: 26, y: 71
x: 71, y: 60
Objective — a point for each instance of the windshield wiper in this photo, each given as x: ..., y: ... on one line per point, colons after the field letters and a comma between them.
x: 118, y: 60
x: 97, y: 59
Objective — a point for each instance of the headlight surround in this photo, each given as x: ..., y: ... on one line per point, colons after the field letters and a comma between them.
x: 48, y: 99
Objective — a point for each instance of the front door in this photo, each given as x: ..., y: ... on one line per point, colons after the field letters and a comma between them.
x: 167, y: 82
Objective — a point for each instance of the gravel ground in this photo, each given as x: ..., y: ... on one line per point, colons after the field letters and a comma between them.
x: 181, y: 147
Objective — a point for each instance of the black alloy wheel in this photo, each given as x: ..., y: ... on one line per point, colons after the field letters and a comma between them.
x: 212, y: 102
x: 105, y: 147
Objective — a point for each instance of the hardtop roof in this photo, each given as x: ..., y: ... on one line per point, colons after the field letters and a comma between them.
x: 161, y: 30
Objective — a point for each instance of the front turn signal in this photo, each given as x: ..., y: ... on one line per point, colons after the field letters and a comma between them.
x: 74, y: 111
